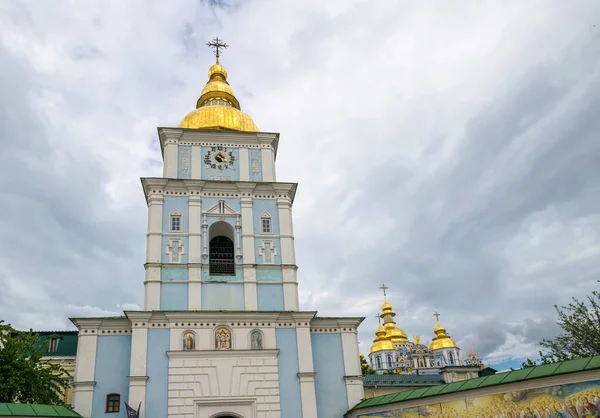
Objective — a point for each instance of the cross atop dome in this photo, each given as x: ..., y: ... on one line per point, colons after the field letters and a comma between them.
x: 217, y: 44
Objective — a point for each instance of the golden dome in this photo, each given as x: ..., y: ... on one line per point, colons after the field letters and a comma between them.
x: 217, y: 107
x: 381, y: 341
x: 441, y: 339
x: 395, y: 334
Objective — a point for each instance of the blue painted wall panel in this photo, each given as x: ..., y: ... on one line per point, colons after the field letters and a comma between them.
x: 328, y: 360
x: 259, y: 207
x: 270, y: 297
x: 258, y: 242
x: 289, y: 383
x: 269, y: 275
x: 112, y: 368
x: 239, y: 276
x: 157, y: 370
x: 170, y: 203
x: 174, y: 296
x: 230, y: 174
x: 166, y: 258
x: 255, y: 164
x: 184, y: 163
x: 170, y: 274
x: 222, y: 296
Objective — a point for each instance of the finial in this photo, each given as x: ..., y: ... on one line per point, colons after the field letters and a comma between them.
x: 384, y: 288
x: 217, y: 44
x: 378, y: 319
x: 437, y: 316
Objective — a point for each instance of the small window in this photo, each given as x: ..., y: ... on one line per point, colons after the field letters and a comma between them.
x: 265, y: 224
x: 175, y: 223
x: 53, y: 344
x: 113, y: 402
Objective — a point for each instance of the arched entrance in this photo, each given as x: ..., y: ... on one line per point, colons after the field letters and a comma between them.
x: 221, y: 250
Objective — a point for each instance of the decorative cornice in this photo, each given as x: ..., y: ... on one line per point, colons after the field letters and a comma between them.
x: 186, y: 354
x: 158, y: 186
x: 84, y: 385
x: 310, y: 376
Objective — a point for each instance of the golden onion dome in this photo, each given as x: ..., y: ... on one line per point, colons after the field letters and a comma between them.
x: 395, y: 334
x: 441, y: 339
x: 381, y: 341
x: 217, y: 107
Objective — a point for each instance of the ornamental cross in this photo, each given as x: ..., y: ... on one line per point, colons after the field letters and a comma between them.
x: 384, y: 288
x: 437, y: 316
x: 378, y: 318
x: 217, y: 45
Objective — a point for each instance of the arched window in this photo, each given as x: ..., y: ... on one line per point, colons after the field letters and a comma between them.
x: 451, y: 358
x: 113, y: 402
x: 189, y: 340
x: 389, y: 361
x: 221, y: 250
x: 379, y: 362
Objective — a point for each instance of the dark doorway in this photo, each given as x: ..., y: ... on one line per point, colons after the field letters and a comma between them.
x: 221, y: 259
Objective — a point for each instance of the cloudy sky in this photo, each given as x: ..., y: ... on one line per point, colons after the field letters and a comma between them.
x: 448, y: 149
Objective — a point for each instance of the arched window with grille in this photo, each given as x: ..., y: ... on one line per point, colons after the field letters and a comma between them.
x: 379, y: 362
x: 389, y: 361
x: 221, y: 250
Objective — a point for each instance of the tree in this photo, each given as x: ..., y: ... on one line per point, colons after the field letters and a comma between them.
x: 366, y: 369
x: 580, y: 335
x: 24, y: 376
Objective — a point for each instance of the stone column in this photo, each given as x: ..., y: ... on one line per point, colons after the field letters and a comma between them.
x: 171, y: 152
x: 248, y: 253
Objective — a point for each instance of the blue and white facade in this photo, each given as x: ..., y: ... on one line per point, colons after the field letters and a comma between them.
x: 221, y: 333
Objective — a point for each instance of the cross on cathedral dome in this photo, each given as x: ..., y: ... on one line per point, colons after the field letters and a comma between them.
x: 217, y: 107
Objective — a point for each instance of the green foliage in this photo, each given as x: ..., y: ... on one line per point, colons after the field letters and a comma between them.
x: 24, y: 376
x: 580, y: 336
x: 366, y: 369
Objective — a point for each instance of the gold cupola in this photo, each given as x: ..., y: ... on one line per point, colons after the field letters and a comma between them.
x: 441, y: 339
x: 395, y: 334
x: 218, y: 108
x: 381, y: 341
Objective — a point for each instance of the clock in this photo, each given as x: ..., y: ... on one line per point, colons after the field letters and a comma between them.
x: 219, y: 157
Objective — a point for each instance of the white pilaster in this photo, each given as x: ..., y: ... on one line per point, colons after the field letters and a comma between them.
x: 194, y: 288
x: 154, y: 235
x: 84, y: 382
x: 306, y: 372
x: 268, y: 165
x: 152, y: 288
x: 244, y: 168
x: 286, y: 231
x: 352, y: 369
x: 194, y: 222
x: 137, y: 369
x: 170, y: 160
x: 290, y: 289
x: 250, y: 296
x: 247, y: 230
x: 196, y: 162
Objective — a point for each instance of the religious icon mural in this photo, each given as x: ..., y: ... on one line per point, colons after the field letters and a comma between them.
x: 188, y: 341
x: 577, y: 400
x: 223, y: 339
x: 256, y: 342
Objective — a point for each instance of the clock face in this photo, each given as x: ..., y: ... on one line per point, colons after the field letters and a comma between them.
x: 219, y: 157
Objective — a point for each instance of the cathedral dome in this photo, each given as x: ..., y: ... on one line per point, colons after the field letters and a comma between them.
x: 441, y: 339
x: 217, y: 107
x: 381, y: 341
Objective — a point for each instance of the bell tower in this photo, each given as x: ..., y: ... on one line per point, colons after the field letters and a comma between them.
x: 220, y: 233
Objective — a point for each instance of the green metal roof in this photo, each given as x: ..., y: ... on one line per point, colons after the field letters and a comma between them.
x: 402, y: 380
x: 31, y: 410
x: 546, y: 370
x: 67, y: 344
